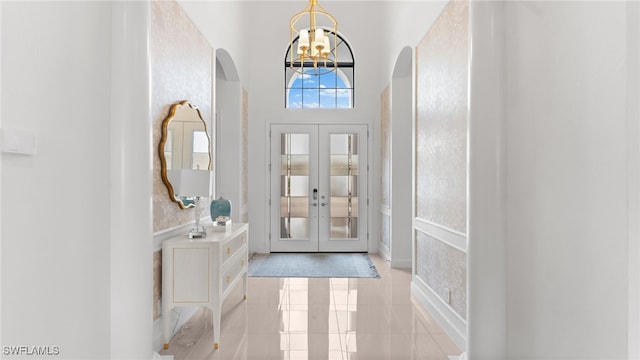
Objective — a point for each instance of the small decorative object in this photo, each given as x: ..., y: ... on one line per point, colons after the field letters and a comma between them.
x: 220, y: 207
x: 223, y: 220
x: 221, y: 214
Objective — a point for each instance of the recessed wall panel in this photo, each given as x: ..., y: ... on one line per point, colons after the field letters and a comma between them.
x: 443, y: 268
x: 442, y: 70
x: 442, y: 111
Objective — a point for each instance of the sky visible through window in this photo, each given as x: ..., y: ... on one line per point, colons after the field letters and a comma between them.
x: 312, y: 91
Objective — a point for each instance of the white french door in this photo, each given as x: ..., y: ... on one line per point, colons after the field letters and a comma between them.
x: 318, y: 188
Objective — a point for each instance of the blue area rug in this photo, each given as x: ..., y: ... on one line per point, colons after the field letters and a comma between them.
x: 333, y: 265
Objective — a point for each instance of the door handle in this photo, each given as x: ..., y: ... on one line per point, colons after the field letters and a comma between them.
x: 314, y: 204
x: 315, y: 194
x: 323, y: 204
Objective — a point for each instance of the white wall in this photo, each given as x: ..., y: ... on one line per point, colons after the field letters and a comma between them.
x: 55, y: 204
x: 567, y: 185
x: 64, y: 281
x: 406, y: 24
x: 1, y: 266
x: 486, y: 260
x: 633, y: 158
x: 131, y: 194
x: 225, y: 24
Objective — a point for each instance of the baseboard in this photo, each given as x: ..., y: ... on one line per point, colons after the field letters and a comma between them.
x: 462, y: 356
x: 157, y: 356
x: 400, y: 263
x: 448, y: 320
x: 384, y: 252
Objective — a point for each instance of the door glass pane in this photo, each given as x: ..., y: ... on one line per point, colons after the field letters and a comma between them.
x: 294, y: 186
x: 344, y: 186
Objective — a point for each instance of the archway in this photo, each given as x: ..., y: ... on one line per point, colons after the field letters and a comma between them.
x: 228, y: 136
x: 401, y: 126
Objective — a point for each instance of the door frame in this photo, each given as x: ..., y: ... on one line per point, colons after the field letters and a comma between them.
x: 365, y: 210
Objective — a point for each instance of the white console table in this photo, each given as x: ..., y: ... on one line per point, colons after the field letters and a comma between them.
x: 202, y: 272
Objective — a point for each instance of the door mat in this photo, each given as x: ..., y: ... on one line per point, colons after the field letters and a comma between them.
x: 327, y: 265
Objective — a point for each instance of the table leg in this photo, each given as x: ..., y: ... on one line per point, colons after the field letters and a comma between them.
x: 216, y: 326
x: 245, y: 285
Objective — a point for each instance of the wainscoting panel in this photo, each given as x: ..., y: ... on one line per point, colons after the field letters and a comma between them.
x: 443, y: 268
x: 449, y: 321
x: 450, y: 237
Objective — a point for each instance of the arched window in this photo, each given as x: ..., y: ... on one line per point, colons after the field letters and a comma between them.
x: 309, y: 88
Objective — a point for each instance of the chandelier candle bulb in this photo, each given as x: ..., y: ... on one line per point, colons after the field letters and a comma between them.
x: 327, y: 47
x: 319, y: 36
x: 304, y: 39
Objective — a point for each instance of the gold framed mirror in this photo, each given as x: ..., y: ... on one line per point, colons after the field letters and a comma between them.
x: 184, y: 144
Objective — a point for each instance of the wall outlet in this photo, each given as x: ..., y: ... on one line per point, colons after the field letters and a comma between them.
x: 16, y: 141
x: 447, y: 295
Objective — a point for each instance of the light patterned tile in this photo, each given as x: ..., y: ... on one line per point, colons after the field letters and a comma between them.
x: 319, y: 319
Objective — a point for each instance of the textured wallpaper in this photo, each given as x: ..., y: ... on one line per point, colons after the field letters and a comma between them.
x: 157, y: 284
x: 442, y: 71
x: 181, y: 63
x: 443, y: 267
x: 441, y: 151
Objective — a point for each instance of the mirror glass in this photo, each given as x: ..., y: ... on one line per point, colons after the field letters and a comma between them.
x: 185, y: 144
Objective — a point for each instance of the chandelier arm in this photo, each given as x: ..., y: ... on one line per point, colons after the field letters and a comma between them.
x: 329, y: 16
x: 295, y: 18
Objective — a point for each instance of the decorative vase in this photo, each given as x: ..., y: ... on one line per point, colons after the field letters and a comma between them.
x: 220, y: 207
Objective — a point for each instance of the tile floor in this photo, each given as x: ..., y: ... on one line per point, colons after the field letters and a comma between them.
x: 318, y: 318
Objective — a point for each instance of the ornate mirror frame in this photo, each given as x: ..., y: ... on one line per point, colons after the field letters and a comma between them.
x: 182, y: 111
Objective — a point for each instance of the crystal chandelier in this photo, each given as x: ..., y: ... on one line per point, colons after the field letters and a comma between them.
x: 316, y: 46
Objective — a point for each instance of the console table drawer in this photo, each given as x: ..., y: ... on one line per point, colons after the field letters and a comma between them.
x: 234, y: 270
x: 233, y: 246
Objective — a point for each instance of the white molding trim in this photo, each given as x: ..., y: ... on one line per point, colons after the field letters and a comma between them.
x: 385, y: 210
x: 384, y: 251
x: 462, y: 356
x: 633, y: 175
x: 401, y: 263
x: 449, y: 320
x: 162, y: 235
x: 448, y: 236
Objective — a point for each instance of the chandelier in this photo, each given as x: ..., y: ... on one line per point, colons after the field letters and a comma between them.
x: 316, y: 46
